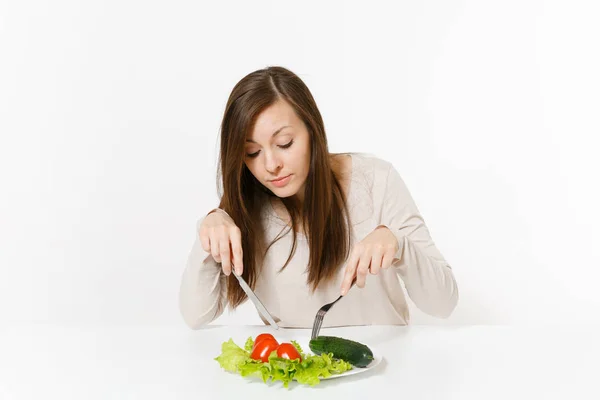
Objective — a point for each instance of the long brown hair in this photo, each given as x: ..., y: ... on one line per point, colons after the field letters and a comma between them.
x: 324, y: 214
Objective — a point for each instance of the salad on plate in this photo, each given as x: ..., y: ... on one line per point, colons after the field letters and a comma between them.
x: 265, y: 357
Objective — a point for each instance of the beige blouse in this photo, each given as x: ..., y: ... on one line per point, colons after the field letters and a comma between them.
x: 377, y: 196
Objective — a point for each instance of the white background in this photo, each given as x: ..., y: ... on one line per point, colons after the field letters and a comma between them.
x: 109, y: 117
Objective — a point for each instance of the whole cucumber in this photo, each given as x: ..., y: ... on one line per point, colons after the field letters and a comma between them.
x: 353, y: 352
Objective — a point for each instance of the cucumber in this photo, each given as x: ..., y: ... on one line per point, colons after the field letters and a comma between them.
x: 353, y: 352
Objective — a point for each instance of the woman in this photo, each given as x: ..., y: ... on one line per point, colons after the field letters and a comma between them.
x: 299, y: 224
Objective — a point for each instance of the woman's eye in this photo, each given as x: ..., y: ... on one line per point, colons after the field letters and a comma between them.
x: 283, y: 146
x: 286, y: 146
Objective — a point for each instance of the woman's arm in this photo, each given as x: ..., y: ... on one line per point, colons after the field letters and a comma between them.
x: 203, y: 290
x: 427, y: 276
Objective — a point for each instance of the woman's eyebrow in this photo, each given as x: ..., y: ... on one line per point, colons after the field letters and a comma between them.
x: 274, y: 133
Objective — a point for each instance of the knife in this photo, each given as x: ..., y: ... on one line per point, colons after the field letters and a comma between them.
x: 259, y: 306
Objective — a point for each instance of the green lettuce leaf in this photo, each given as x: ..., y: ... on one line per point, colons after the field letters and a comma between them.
x: 232, y: 356
x: 257, y: 368
x: 309, y: 371
x: 249, y: 344
x: 297, y: 346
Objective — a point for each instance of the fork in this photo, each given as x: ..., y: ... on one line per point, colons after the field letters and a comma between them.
x: 322, y: 311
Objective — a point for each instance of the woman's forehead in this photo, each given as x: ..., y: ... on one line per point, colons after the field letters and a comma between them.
x: 275, y: 120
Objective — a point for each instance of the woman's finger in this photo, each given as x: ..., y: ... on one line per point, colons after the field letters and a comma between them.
x: 350, y: 271
x: 363, y: 269
x: 205, y: 240
x: 214, y: 247
x: 236, y: 250
x: 225, y: 256
x: 387, y: 260
x: 376, y: 261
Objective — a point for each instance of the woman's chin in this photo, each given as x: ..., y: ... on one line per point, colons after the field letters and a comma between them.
x: 283, y: 192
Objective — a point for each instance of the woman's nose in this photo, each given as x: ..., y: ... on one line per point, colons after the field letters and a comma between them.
x: 272, y: 163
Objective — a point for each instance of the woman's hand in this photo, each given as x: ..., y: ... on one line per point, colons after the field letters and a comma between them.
x: 374, y: 252
x: 223, y: 240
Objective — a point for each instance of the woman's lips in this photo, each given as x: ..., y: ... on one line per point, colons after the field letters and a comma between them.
x: 281, y: 182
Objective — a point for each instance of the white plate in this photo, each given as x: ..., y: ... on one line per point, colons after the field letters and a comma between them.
x: 356, y: 370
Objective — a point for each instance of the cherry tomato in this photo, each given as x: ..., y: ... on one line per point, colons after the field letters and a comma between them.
x: 263, y: 336
x: 263, y: 348
x: 287, y: 350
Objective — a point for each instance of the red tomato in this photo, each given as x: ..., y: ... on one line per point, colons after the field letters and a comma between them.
x: 263, y: 336
x: 263, y: 348
x: 287, y: 350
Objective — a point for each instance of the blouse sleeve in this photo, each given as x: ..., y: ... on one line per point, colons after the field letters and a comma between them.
x: 427, y: 276
x: 203, y: 289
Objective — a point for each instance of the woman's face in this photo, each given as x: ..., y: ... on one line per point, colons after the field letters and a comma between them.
x: 278, y: 151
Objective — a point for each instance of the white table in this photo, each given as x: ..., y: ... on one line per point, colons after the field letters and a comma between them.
x: 420, y: 362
